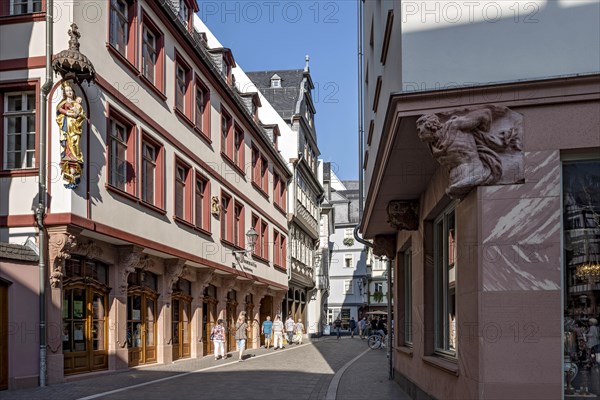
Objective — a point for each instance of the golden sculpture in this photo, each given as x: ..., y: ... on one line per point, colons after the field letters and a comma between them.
x: 70, y: 116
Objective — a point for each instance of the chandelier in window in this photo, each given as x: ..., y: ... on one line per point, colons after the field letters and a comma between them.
x: 589, y: 271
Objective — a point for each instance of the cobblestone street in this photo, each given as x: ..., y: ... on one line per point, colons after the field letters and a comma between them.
x: 307, y: 371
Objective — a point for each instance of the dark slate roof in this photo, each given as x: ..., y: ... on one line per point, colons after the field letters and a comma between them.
x: 17, y: 252
x: 284, y: 98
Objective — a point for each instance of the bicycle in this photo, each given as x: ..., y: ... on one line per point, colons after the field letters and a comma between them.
x: 377, y: 340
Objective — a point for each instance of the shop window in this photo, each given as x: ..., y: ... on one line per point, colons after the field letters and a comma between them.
x: 581, y: 266
x: 445, y: 324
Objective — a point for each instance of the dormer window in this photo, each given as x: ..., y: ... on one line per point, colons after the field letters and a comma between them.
x: 184, y: 12
x: 275, y: 81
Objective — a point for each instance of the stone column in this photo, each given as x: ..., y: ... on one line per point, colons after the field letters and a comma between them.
x: 259, y: 292
x: 60, y: 243
x: 278, y: 296
x: 128, y: 259
x: 227, y: 283
x: 203, y: 279
x: 174, y: 268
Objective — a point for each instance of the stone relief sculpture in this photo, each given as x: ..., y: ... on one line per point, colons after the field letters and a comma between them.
x: 478, y: 146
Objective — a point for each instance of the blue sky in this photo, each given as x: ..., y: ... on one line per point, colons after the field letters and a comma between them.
x: 266, y: 35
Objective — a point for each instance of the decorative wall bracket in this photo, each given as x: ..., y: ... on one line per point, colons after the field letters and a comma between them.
x: 64, y: 244
x: 478, y: 145
x: 403, y: 215
x: 215, y: 208
x: 174, y: 269
x: 130, y: 259
x: 385, y: 245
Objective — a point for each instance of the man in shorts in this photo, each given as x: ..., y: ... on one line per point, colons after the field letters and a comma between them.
x: 266, y: 330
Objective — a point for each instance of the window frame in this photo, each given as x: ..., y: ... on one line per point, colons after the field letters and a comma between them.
x: 202, y: 123
x: 23, y: 88
x: 239, y: 148
x: 348, y: 256
x: 186, y: 100
x: 226, y: 134
x: 8, y: 7
x: 407, y: 293
x: 158, y: 82
x: 129, y: 53
x: 187, y: 191
x: 226, y: 216
x: 442, y: 325
x: 239, y: 225
x: 130, y: 153
x: 205, y: 221
x: 159, y: 179
x: 349, y: 286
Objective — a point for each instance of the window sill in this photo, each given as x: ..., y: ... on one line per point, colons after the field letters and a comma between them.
x: 122, y: 59
x: 153, y: 207
x: 233, y: 165
x: 280, y: 209
x: 407, y: 351
x: 184, y: 117
x: 259, y: 258
x: 183, y: 222
x: 444, y: 364
x: 120, y: 192
x: 202, y: 135
x: 279, y: 267
x: 203, y: 231
x: 20, y: 18
x: 153, y: 87
x: 18, y: 172
x: 232, y: 245
x: 260, y: 190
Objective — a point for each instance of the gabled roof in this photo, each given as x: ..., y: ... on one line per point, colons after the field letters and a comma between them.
x: 284, y: 99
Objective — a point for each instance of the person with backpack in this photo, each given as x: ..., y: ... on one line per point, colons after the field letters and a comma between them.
x: 241, y: 329
x: 352, y: 325
x: 289, y: 329
x: 338, y: 326
x: 217, y: 336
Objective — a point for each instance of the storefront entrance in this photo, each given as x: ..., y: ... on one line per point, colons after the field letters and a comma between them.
x: 209, y: 315
x: 231, y: 317
x: 85, y: 315
x: 141, y: 318
x: 250, y: 320
x: 181, y: 306
x: 266, y: 309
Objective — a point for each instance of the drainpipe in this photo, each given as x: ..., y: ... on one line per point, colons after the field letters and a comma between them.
x: 361, y: 133
x: 41, y: 207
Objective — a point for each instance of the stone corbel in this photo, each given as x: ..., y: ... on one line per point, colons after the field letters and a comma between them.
x: 244, y: 287
x: 259, y: 291
x: 60, y: 245
x: 227, y: 283
x: 385, y: 245
x: 130, y: 258
x: 204, y: 278
x: 403, y: 215
x: 174, y: 269
x: 480, y: 145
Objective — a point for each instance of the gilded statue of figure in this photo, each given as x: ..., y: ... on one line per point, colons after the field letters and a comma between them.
x: 70, y: 117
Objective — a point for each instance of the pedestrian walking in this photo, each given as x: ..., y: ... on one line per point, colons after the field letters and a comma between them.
x: 217, y: 336
x: 277, y: 333
x: 299, y: 331
x: 241, y: 329
x: 362, y: 326
x: 289, y: 328
x: 352, y: 325
x: 267, y: 328
x: 338, y: 326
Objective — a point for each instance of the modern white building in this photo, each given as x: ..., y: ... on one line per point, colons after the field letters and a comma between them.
x: 348, y: 271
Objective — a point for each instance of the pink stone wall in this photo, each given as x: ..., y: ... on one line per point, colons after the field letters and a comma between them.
x: 23, y: 323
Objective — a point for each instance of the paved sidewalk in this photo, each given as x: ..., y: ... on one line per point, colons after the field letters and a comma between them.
x: 296, y: 372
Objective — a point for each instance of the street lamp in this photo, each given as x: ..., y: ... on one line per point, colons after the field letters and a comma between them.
x: 251, y: 237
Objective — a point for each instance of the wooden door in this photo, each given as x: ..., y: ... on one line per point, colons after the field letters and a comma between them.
x: 209, y: 315
x: 3, y: 335
x: 181, y: 327
x: 266, y: 309
x: 230, y: 324
x: 141, y: 327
